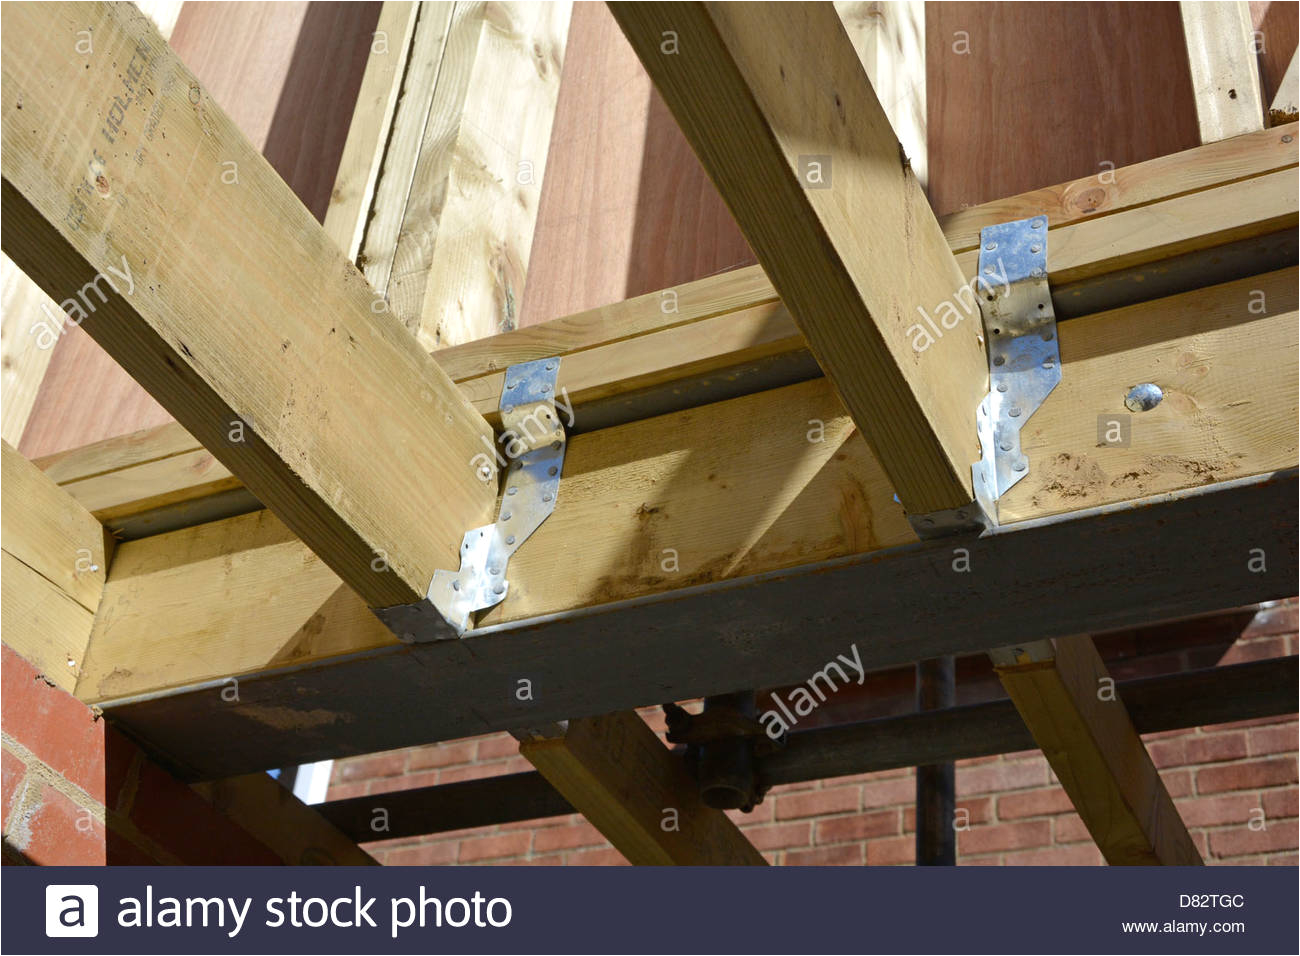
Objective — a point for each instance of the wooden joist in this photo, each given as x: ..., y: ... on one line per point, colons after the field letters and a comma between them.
x: 372, y: 121
x: 660, y: 505
x: 55, y: 561
x: 55, y: 565
x: 616, y: 772
x: 776, y: 105
x: 731, y: 334
x: 133, y: 200
x: 1221, y: 52
x: 889, y: 36
x: 1070, y: 705
x: 298, y: 833
x: 674, y: 512
x: 457, y: 197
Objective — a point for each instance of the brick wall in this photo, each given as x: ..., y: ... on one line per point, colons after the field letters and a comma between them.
x: 1234, y: 784
x: 78, y: 793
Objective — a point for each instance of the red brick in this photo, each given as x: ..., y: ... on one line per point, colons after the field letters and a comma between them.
x: 346, y: 791
x: 995, y: 837
x: 1069, y: 828
x: 1080, y: 854
x: 58, y: 729
x: 1177, y: 782
x: 1168, y: 753
x: 60, y: 833
x: 566, y: 838
x: 378, y: 786
x: 1246, y: 776
x: 892, y: 851
x: 1279, y: 804
x: 1252, y: 722
x: 1202, y: 841
x: 1273, y: 740
x: 763, y: 813
x: 1218, y: 810
x: 862, y: 826
x: 995, y: 778
x: 443, y: 755
x: 848, y: 854
x: 179, y: 820
x: 606, y: 857
x: 410, y: 781
x: 1241, y: 840
x: 1280, y: 618
x: 494, y: 847
x: 425, y: 778
x: 494, y: 748
x: 426, y: 854
x: 389, y: 764
x: 1263, y: 649
x: 888, y: 793
x: 561, y: 821
x: 781, y: 836
x: 13, y: 772
x: 1033, y: 803
x: 1215, y: 748
x: 1283, y: 859
x: 817, y: 803
x: 476, y: 771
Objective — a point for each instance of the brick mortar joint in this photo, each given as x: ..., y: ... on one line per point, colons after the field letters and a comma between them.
x: 52, y: 778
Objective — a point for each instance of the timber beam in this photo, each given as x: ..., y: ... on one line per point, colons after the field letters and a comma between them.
x: 55, y: 564
x: 1068, y: 702
x: 774, y: 100
x: 56, y: 560
x: 1221, y: 55
x: 1206, y: 216
x: 1213, y: 695
x: 133, y: 200
x: 618, y: 773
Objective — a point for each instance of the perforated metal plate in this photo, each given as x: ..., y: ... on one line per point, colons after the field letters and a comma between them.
x: 1024, y: 353
x: 533, y: 441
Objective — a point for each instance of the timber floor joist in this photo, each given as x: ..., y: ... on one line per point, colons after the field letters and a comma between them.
x: 1212, y: 214
x: 688, y: 569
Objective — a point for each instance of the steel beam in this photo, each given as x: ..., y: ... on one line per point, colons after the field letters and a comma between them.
x: 1213, y: 695
x: 1121, y: 566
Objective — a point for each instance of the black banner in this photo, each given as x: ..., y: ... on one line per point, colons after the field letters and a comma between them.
x: 141, y: 910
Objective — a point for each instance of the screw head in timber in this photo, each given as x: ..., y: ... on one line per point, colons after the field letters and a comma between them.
x: 1144, y: 397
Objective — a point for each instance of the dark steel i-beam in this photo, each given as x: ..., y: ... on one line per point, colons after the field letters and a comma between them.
x: 1122, y: 566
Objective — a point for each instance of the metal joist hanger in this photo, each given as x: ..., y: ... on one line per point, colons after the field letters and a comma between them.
x: 1024, y: 352
x: 535, y: 444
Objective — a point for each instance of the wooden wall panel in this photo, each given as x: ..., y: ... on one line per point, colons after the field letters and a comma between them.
x: 625, y: 207
x: 1276, y: 27
x: 1025, y: 95
x: 285, y: 73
